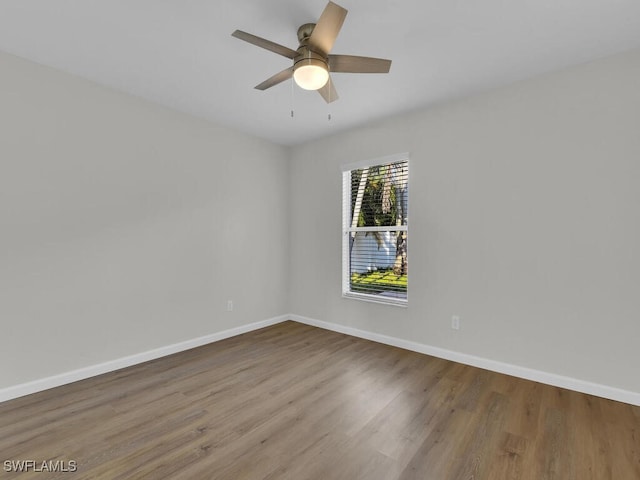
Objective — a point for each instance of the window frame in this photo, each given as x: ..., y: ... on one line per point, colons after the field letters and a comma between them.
x: 347, y: 229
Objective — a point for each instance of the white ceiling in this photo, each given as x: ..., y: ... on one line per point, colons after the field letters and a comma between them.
x: 180, y: 53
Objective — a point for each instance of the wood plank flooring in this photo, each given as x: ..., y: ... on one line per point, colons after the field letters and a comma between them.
x: 296, y: 402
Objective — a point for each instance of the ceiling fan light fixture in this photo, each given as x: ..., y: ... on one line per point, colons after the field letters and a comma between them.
x: 312, y: 60
x: 311, y: 74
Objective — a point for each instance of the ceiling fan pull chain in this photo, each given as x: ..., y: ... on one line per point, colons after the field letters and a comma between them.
x: 292, y: 89
x: 329, y: 102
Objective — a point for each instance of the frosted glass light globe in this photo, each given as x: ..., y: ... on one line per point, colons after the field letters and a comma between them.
x: 310, y: 76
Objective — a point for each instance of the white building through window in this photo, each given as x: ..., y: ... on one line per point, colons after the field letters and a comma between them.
x: 375, y: 230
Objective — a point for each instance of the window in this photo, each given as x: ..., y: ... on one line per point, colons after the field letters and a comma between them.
x: 375, y: 230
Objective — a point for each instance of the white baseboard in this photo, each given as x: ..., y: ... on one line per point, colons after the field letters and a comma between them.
x: 577, y: 385
x: 34, y: 386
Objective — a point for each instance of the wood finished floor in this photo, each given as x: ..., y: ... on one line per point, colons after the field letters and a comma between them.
x: 296, y: 402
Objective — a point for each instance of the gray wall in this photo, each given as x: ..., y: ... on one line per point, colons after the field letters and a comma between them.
x: 524, y: 220
x: 125, y: 226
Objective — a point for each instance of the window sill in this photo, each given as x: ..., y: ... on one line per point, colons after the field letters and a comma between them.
x: 363, y: 297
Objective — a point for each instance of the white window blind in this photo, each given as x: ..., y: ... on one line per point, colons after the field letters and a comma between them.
x: 375, y: 230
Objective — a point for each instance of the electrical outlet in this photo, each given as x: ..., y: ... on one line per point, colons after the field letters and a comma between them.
x: 229, y: 305
x: 455, y: 322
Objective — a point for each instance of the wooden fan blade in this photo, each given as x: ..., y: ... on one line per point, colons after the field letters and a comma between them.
x: 354, y: 64
x: 329, y: 92
x: 327, y: 28
x: 276, y: 79
x: 266, y: 44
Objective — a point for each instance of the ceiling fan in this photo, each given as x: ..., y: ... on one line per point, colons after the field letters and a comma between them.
x: 312, y: 61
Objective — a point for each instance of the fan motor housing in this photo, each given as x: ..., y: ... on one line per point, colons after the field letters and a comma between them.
x: 306, y: 56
